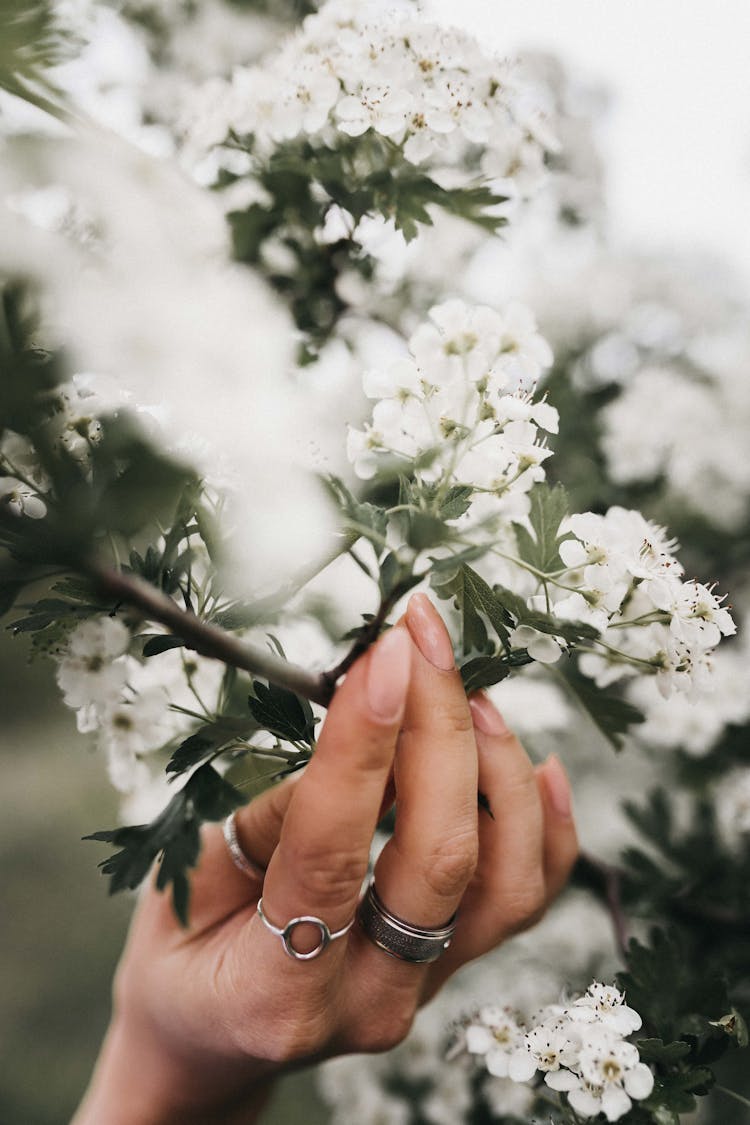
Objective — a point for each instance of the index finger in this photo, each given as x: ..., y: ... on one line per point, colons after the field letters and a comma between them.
x: 323, y: 853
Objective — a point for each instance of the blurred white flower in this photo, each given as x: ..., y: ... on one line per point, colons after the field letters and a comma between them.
x: 89, y: 671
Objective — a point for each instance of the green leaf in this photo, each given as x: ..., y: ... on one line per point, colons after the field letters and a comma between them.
x: 460, y: 588
x: 283, y: 713
x: 158, y: 644
x: 657, y: 1051
x: 173, y: 838
x: 370, y: 520
x: 483, y: 672
x: 457, y: 502
x: 612, y: 715
x: 548, y: 508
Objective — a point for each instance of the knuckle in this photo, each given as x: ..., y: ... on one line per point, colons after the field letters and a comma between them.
x: 451, y: 863
x: 455, y: 714
x: 330, y: 875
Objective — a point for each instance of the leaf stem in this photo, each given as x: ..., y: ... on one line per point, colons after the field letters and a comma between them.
x: 208, y: 640
x: 733, y: 1094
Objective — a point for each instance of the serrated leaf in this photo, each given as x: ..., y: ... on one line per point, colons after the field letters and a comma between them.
x: 657, y: 1051
x: 156, y: 645
x: 283, y: 713
x: 197, y: 746
x: 483, y: 672
x: 370, y: 520
x: 457, y: 502
x: 173, y: 838
x: 612, y: 715
x: 548, y: 508
x: 458, y: 588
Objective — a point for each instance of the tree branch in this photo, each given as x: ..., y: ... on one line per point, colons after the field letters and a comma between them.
x: 369, y: 635
x: 606, y: 881
x: 208, y: 640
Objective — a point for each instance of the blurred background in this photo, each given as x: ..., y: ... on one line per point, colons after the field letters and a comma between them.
x: 672, y: 124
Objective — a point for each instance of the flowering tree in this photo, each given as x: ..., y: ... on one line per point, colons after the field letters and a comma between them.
x: 202, y: 576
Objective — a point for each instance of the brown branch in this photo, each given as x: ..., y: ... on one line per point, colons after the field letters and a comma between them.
x: 369, y: 634
x: 606, y: 880
x: 208, y: 640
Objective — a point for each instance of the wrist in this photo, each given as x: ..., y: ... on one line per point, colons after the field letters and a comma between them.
x: 137, y: 1083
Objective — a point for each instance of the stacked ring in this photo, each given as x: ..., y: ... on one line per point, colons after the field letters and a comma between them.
x: 417, y: 944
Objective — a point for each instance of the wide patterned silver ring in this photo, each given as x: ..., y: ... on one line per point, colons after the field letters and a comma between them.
x: 418, y: 944
x: 286, y: 932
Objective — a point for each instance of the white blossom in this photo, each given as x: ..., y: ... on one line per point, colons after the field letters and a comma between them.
x: 90, y: 671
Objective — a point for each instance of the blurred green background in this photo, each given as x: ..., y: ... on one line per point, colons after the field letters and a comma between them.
x: 60, y: 934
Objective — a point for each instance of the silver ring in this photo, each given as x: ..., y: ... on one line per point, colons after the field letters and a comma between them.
x: 285, y: 933
x: 418, y: 944
x: 240, y: 860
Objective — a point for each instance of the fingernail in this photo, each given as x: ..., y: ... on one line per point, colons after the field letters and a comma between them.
x: 486, y: 715
x: 388, y: 674
x: 557, y: 786
x: 429, y: 632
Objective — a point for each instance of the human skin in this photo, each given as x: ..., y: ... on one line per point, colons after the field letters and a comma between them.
x: 204, y: 1018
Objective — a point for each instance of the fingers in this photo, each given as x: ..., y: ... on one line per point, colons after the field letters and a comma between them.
x: 527, y: 844
x: 323, y: 852
x: 424, y: 869
x: 560, y: 838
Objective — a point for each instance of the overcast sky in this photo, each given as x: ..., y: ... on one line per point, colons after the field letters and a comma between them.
x: 679, y: 145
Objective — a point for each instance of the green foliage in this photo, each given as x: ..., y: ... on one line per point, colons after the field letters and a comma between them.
x: 173, y: 838
x: 31, y: 41
x: 611, y: 714
x: 549, y: 507
x: 369, y: 520
x: 689, y: 1020
x: 363, y: 175
x: 683, y: 874
x: 288, y: 716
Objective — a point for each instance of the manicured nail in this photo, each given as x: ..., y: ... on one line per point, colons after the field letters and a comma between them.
x: 429, y: 632
x: 486, y: 716
x: 388, y: 674
x: 557, y: 786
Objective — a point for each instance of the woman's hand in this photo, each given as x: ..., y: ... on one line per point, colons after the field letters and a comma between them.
x: 204, y: 1018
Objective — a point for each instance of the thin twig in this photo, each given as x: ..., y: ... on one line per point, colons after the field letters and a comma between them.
x: 208, y: 640
x: 607, y: 880
x: 369, y: 634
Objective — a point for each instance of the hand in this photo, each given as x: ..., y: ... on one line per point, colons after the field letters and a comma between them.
x: 204, y: 1018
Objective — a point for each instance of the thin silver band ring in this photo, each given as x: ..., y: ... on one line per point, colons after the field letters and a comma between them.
x: 285, y: 933
x: 240, y: 860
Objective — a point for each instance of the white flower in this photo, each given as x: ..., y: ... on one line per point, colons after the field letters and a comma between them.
x: 549, y: 1046
x: 540, y: 646
x: 605, y: 1005
x: 129, y: 729
x: 89, y: 672
x: 497, y: 1036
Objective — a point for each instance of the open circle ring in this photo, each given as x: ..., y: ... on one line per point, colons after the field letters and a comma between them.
x: 285, y: 933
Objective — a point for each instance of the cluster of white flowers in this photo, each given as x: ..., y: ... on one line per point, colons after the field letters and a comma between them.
x: 626, y: 582
x: 357, y: 66
x: 458, y: 404
x: 131, y: 705
x: 698, y: 444
x: 581, y: 1049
